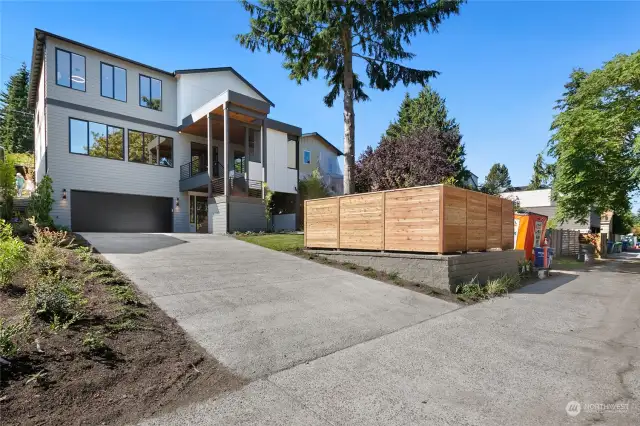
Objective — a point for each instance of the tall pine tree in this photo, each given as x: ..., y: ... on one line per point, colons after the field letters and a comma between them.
x: 498, y: 180
x: 16, y: 120
x: 428, y: 110
x: 327, y: 36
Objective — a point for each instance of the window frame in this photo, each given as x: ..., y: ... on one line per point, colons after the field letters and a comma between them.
x: 70, y: 86
x: 150, y: 94
x: 113, y: 82
x: 143, y: 145
x: 88, y: 140
x: 303, y: 156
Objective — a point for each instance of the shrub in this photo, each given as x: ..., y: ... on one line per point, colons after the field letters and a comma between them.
x: 125, y: 294
x: 472, y: 289
x: 7, y: 188
x: 8, y: 335
x: 46, y: 236
x: 58, y: 301
x: 41, y: 202
x: 22, y: 228
x: 94, y: 342
x: 12, y: 254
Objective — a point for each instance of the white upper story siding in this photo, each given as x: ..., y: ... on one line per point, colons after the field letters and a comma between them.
x: 196, y: 89
x: 92, y: 97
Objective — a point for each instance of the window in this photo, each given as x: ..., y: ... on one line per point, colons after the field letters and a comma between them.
x: 70, y: 70
x: 150, y: 92
x: 148, y: 148
x: 307, y: 157
x: 113, y: 82
x: 96, y: 139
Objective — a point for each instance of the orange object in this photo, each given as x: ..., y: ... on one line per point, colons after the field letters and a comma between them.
x: 528, y: 231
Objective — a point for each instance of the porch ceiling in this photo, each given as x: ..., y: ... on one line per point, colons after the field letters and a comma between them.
x: 242, y: 110
x: 199, y: 128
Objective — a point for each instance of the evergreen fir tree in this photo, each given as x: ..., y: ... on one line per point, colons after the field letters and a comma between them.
x: 428, y: 110
x: 16, y: 121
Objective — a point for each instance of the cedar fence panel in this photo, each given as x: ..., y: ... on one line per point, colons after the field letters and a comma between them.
x: 436, y: 218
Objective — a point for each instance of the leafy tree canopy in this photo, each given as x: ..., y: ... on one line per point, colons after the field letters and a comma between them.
x: 16, y: 122
x: 595, y: 139
x: 313, y: 186
x: 497, y: 180
x: 325, y: 36
x: 428, y: 109
x: 421, y: 157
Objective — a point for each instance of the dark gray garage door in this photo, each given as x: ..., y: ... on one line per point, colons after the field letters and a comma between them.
x: 105, y: 212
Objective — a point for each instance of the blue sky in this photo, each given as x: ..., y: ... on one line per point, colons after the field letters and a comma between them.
x: 502, y: 64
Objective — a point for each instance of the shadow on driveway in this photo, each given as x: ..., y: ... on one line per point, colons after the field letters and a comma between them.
x: 545, y: 286
x: 122, y: 243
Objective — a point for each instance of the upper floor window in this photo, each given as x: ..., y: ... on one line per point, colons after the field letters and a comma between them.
x: 113, y: 82
x: 306, y: 158
x: 150, y: 92
x: 148, y: 148
x: 96, y: 139
x: 70, y: 70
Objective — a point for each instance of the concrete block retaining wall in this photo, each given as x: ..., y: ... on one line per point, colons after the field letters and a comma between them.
x: 438, y: 271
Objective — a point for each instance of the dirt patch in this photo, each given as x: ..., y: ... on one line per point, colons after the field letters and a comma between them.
x: 142, y: 363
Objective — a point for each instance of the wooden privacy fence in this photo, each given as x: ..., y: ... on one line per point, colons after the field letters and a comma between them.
x: 437, y: 219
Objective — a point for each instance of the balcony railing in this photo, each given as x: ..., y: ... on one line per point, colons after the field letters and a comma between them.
x: 238, y: 187
x: 193, y: 168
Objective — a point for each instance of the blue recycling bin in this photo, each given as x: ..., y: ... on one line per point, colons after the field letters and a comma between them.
x: 625, y: 245
x: 609, y: 246
x: 538, y: 260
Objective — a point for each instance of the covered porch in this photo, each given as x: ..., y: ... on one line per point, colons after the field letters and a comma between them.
x: 232, y: 161
x: 229, y: 169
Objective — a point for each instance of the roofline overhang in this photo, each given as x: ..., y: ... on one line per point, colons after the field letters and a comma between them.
x: 329, y: 144
x: 241, y: 104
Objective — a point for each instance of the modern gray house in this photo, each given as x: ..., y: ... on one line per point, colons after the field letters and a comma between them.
x: 133, y: 148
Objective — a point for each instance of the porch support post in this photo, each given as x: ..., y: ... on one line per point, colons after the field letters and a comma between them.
x: 226, y: 149
x: 246, y: 158
x: 263, y: 153
x: 209, y: 152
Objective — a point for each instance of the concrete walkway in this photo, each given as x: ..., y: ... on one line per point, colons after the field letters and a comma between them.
x: 399, y: 358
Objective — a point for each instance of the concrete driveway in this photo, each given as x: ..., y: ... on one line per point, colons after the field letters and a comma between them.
x: 329, y: 348
x: 256, y: 310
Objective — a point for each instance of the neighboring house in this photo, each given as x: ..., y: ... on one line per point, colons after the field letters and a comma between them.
x: 539, y: 201
x: 318, y: 153
x: 472, y: 182
x: 133, y: 148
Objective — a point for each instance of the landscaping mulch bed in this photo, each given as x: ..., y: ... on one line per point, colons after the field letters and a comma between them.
x: 149, y: 366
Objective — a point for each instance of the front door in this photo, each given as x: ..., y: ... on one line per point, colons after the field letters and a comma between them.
x: 202, y: 216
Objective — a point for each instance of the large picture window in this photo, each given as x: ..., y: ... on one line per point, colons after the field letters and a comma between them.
x: 150, y: 92
x: 113, y: 82
x: 148, y: 148
x: 96, y: 139
x: 70, y: 70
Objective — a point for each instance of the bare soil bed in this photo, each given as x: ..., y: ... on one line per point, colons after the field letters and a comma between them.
x: 142, y: 365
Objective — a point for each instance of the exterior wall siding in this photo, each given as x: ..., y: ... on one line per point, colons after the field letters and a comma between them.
x: 74, y: 171
x: 40, y: 140
x: 280, y: 178
x: 321, y: 156
x: 196, y: 89
x: 246, y: 215
x: 92, y: 98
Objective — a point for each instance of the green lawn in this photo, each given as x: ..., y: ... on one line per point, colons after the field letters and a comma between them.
x: 279, y: 242
x: 565, y: 262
